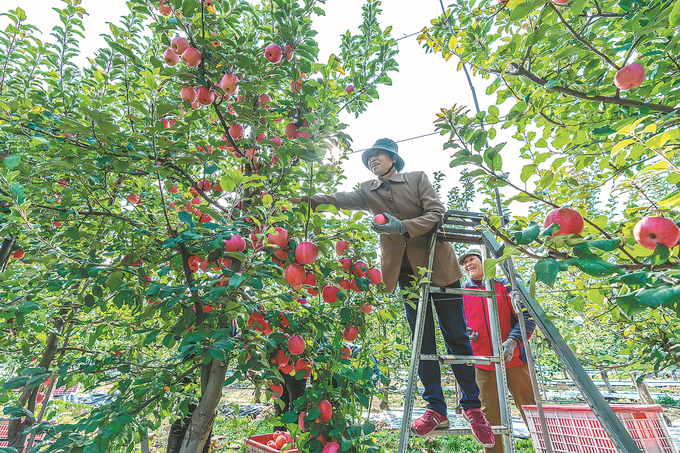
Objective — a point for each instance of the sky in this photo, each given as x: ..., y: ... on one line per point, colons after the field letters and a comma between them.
x: 424, y: 84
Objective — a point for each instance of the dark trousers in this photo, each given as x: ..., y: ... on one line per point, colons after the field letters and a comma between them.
x: 451, y: 317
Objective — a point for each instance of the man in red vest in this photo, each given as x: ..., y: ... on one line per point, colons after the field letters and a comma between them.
x: 479, y: 330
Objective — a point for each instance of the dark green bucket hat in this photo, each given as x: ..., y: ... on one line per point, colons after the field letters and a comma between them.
x: 390, y: 147
x: 470, y: 252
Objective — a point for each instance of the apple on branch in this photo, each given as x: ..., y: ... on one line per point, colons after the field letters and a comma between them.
x: 273, y: 53
x: 568, y: 220
x: 652, y: 230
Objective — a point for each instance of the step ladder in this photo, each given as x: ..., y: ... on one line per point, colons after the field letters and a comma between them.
x: 457, y: 229
x: 466, y: 227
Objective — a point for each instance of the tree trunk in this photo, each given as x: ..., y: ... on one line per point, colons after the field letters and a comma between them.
x: 605, y: 378
x: 203, y: 417
x: 643, y: 392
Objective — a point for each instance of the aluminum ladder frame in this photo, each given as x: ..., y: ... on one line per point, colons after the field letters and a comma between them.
x: 456, y: 234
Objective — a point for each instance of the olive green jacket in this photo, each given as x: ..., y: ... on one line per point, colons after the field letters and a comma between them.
x: 411, y: 198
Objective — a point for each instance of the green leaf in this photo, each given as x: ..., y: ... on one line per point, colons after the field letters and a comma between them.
x: 670, y: 200
x: 289, y: 417
x: 527, y: 235
x: 115, y: 280
x: 368, y: 427
x: 634, y: 279
x: 186, y: 218
x: 577, y: 303
x: 12, y: 161
x: 16, y: 382
x: 546, y: 270
x: 662, y: 295
x: 604, y: 130
x: 604, y: 244
x: 674, y: 17
x: 490, y: 268
x: 629, y: 304
x: 660, y: 255
x: 596, y: 267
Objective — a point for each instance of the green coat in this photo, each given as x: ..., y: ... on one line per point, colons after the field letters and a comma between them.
x: 411, y: 198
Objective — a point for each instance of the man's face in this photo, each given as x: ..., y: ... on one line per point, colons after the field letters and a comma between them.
x: 379, y: 162
x: 472, y: 266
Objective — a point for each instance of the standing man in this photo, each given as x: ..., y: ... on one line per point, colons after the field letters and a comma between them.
x: 479, y: 328
x: 412, y: 208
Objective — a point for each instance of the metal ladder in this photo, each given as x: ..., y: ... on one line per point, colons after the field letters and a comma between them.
x: 466, y: 227
x: 451, y: 231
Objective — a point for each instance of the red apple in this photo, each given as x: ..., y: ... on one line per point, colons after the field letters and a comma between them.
x: 346, y: 263
x: 170, y: 57
x: 306, y: 252
x: 164, y: 9
x: 188, y: 93
x: 344, y: 284
x: 205, y: 218
x: 302, y: 364
x: 236, y: 131
x: 296, y: 345
x: 380, y: 219
x: 375, y: 276
x: 277, y: 142
x: 309, y: 280
x: 349, y: 89
x: 331, y: 447
x: 278, y: 391
x: 229, y: 83
x: 260, y: 137
x: 350, y: 333
x: 360, y: 269
x: 287, y: 369
x: 301, y: 421
x: 346, y: 353
x: 341, y: 246
x: 652, y: 230
x: 235, y: 244
x: 367, y: 308
x: 295, y: 274
x: 134, y: 199
x: 179, y: 45
x: 273, y: 53
x: 265, y: 101
x: 205, y: 96
x: 569, y: 221
x: 630, y: 76
x: 292, y: 131
x: 560, y: 2
x: 279, y: 237
x: 19, y: 254
x: 295, y: 86
x: 191, y: 57
x: 326, y: 411
x: 281, y: 358
x: 330, y: 293
x: 57, y: 223
x: 289, y: 52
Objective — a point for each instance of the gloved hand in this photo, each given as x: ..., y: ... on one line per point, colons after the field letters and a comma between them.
x: 393, y: 226
x: 509, y: 346
x: 472, y: 334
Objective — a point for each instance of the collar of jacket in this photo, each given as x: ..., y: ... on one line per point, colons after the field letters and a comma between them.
x: 396, y: 177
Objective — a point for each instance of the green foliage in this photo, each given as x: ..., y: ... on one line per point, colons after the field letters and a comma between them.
x: 121, y: 198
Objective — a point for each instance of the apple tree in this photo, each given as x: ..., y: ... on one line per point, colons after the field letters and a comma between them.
x: 588, y: 92
x: 149, y: 244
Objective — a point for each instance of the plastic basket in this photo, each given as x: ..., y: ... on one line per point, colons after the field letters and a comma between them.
x: 4, y: 432
x: 258, y: 444
x: 575, y: 429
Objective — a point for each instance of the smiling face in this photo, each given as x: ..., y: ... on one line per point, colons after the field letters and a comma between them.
x: 473, y: 267
x: 379, y: 162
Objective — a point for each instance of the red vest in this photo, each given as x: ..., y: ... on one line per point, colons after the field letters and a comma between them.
x: 477, y: 318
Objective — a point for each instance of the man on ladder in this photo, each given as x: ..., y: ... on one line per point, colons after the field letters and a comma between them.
x: 479, y: 327
x: 412, y: 208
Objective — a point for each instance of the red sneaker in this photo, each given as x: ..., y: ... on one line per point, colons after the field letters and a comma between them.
x: 481, y: 428
x: 429, y: 421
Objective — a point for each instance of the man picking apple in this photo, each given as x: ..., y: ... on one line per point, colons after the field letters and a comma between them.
x: 516, y: 368
x: 412, y: 209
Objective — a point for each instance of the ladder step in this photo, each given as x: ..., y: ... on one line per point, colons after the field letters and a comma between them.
x: 461, y: 291
x: 462, y: 359
x: 460, y: 431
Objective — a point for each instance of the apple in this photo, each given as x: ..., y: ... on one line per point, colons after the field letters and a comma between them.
x: 289, y: 52
x: 375, y: 276
x: 309, y: 280
x: 295, y: 86
x: 344, y: 284
x: 367, y: 308
x: 278, y: 391
x: 296, y: 345
x: 569, y: 221
x: 350, y: 333
x: 277, y: 142
x: 57, y: 223
x: 265, y: 101
x: 191, y: 57
x: 170, y: 57
x: 229, y: 83
x: 281, y: 254
x: 380, y: 219
x: 295, y: 274
x: 260, y: 137
x: 301, y: 421
x: 330, y: 293
x: 306, y: 252
x: 292, y: 131
x: 168, y: 123
x: 331, y: 447
x: 271, y: 444
x: 349, y: 89
x: 235, y: 244
x: 360, y: 269
x: 630, y: 76
x: 164, y: 9
x: 341, y: 246
x: 279, y: 237
x: 179, y: 45
x: 134, y: 199
x: 559, y: 2
x: 287, y: 369
x: 205, y: 96
x: 273, y: 53
x: 326, y: 411
x: 302, y: 364
x: 19, y: 254
x: 236, y: 131
x: 346, y: 353
x: 188, y: 93
x: 281, y: 357
x: 280, y: 441
x: 652, y: 230
x: 304, y: 135
x: 354, y: 287
x: 346, y: 263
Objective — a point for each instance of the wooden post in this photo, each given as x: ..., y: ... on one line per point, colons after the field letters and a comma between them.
x: 605, y: 378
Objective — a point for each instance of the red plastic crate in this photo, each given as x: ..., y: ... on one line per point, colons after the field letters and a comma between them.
x: 575, y: 429
x: 258, y: 444
x: 4, y: 431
